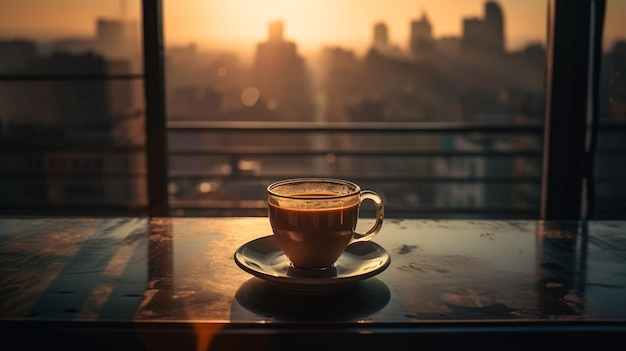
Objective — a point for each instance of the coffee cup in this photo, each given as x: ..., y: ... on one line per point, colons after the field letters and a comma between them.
x: 314, y: 219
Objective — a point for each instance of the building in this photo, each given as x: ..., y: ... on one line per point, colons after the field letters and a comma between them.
x: 421, y: 40
x: 381, y: 36
x: 485, y: 34
x: 16, y: 54
x: 79, y: 145
x: 281, y: 76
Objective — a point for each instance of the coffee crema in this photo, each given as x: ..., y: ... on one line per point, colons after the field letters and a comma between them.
x: 310, y: 237
x: 314, y: 194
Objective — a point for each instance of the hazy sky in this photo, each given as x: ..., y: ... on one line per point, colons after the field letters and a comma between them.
x: 311, y: 23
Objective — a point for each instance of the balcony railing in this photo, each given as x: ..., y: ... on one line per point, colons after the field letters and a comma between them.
x: 415, y: 166
x: 222, y: 168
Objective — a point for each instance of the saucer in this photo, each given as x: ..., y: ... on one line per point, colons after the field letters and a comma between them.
x: 264, y: 258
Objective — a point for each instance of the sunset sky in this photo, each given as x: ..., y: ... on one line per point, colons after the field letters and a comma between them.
x: 240, y: 24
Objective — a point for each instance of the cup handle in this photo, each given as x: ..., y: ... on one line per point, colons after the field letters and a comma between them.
x: 380, y: 213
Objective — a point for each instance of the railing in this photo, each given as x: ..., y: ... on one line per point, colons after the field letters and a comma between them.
x: 65, y: 170
x: 609, y: 180
x: 72, y: 178
x: 410, y: 174
x: 415, y: 173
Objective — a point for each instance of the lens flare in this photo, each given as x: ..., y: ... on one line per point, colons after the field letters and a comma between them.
x: 250, y: 96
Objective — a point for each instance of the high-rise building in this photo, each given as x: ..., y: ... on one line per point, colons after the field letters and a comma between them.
x: 16, y: 54
x: 494, y: 21
x: 112, y: 37
x: 485, y: 34
x: 381, y: 36
x: 281, y: 77
x: 63, y: 140
x: 421, y: 40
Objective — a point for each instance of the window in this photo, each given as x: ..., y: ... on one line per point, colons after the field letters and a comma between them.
x: 610, y: 192
x: 71, y: 107
x: 439, y: 107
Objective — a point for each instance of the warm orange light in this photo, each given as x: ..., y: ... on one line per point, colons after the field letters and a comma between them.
x: 241, y: 24
x: 250, y: 96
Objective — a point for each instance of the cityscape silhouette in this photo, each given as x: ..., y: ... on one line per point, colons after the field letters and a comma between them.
x: 471, y: 78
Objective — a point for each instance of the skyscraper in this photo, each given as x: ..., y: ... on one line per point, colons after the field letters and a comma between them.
x: 485, y: 34
x: 421, y: 40
x: 280, y: 76
x: 381, y: 36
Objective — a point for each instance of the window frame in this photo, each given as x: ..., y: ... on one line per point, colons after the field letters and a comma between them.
x: 573, y: 67
x: 154, y: 90
x: 572, y: 75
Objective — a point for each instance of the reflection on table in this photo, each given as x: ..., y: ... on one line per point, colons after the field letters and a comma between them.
x: 148, y: 282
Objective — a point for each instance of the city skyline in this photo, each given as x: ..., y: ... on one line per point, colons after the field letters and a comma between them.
x: 239, y: 24
x: 472, y: 78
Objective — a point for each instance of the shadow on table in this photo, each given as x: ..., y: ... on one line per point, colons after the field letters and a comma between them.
x: 256, y: 298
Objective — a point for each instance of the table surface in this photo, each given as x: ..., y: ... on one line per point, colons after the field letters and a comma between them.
x: 139, y: 278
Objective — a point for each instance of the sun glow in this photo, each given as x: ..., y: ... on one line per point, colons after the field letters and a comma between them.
x: 241, y: 24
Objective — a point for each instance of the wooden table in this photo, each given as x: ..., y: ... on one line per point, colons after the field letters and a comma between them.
x: 172, y: 283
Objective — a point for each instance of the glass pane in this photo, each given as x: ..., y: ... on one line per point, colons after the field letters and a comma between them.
x: 71, y: 107
x: 610, y: 171
x: 438, y: 106
x: 37, y: 35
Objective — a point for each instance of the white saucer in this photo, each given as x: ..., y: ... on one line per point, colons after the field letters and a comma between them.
x: 263, y: 258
